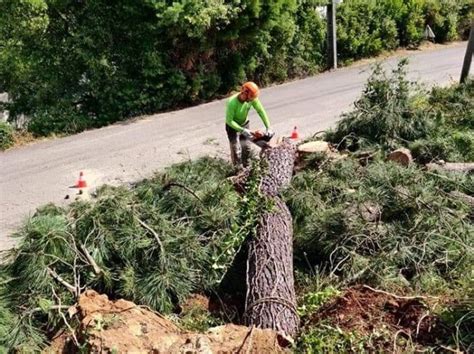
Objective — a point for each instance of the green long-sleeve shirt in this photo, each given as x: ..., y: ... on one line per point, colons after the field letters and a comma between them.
x: 236, y: 113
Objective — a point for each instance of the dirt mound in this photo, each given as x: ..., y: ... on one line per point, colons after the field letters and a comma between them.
x: 364, y: 310
x: 121, y: 326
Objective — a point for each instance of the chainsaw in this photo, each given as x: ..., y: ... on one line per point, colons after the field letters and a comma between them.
x: 261, y: 139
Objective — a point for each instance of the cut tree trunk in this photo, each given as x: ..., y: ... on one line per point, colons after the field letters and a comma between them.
x: 465, y: 167
x: 260, y: 281
x: 323, y: 148
x: 401, y: 156
x: 270, y: 299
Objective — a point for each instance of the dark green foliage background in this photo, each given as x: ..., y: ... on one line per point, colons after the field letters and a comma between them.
x: 72, y: 65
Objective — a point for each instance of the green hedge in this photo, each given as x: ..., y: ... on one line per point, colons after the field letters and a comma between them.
x: 368, y: 27
x: 6, y: 136
x: 71, y: 65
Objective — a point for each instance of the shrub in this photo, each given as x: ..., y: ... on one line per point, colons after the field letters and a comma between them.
x: 74, y: 65
x: 394, y: 112
x: 360, y: 32
x: 442, y: 17
x: 6, y: 135
x: 385, y: 114
x: 131, y: 58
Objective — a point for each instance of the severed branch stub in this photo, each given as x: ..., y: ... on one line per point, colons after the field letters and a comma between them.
x: 270, y: 300
x: 90, y: 259
x: 60, y: 280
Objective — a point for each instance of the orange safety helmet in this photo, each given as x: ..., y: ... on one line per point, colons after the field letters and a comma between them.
x: 252, y: 88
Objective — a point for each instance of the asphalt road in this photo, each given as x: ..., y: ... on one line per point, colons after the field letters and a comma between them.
x: 42, y: 172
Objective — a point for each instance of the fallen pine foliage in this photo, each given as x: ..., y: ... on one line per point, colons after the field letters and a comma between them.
x: 151, y: 244
x: 356, y: 221
x: 394, y: 112
x: 396, y: 226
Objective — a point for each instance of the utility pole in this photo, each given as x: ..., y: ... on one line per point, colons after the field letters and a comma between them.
x: 332, y: 41
x: 468, y: 57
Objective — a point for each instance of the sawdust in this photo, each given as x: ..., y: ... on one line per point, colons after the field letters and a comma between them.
x: 122, y: 327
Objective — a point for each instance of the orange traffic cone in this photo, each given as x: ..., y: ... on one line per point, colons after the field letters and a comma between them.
x: 294, y: 134
x: 81, y: 182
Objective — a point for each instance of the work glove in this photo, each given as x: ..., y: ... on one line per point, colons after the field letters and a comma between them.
x: 247, y: 133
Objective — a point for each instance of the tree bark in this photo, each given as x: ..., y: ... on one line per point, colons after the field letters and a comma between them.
x: 260, y: 281
x: 270, y: 299
x: 468, y: 56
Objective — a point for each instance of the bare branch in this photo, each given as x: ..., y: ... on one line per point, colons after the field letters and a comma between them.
x: 58, y: 278
x: 91, y: 261
x: 176, y: 184
x: 76, y: 342
x: 398, y: 296
x: 53, y: 307
x: 153, y: 232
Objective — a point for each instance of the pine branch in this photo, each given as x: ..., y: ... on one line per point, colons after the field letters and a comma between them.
x: 176, y: 184
x: 73, y: 334
x: 153, y: 232
x: 57, y: 277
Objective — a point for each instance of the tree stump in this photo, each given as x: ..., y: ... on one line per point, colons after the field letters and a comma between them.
x: 270, y: 299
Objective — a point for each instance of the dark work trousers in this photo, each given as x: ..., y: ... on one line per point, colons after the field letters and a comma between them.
x: 238, y: 143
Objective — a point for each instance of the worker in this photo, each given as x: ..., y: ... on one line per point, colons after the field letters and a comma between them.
x: 237, y: 124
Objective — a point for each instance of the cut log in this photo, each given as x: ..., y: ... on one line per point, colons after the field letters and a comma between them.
x: 261, y: 276
x: 314, y: 146
x: 270, y: 299
x: 466, y: 167
x: 401, y: 156
x: 464, y: 197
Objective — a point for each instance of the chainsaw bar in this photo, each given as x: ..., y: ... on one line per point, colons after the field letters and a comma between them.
x: 261, y: 140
